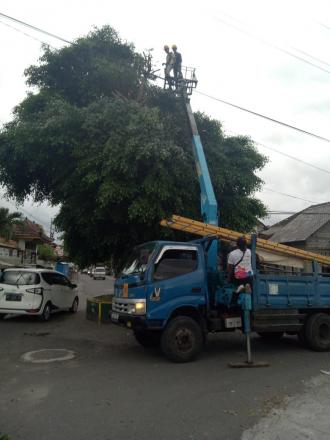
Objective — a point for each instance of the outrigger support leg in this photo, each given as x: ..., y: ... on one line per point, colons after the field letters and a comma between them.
x: 246, y: 304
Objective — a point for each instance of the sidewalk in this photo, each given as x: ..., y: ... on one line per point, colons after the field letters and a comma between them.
x: 304, y: 417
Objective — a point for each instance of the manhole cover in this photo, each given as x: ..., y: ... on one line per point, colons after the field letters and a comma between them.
x: 48, y: 355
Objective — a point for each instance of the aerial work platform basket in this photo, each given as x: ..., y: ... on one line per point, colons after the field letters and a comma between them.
x: 187, y: 81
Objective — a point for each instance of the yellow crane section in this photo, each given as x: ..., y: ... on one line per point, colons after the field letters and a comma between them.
x: 195, y: 227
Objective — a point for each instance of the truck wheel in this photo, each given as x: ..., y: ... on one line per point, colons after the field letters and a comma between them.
x: 147, y: 338
x: 318, y: 332
x: 182, y: 340
x: 271, y: 336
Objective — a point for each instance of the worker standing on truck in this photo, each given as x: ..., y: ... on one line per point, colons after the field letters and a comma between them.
x: 177, y: 65
x: 168, y: 66
x: 239, y: 269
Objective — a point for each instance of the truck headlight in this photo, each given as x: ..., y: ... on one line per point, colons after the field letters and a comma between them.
x: 139, y: 308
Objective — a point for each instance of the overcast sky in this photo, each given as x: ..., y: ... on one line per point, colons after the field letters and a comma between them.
x: 235, y: 47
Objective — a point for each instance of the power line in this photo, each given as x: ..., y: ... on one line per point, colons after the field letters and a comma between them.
x: 35, y: 28
x: 296, y: 212
x: 311, y: 56
x: 323, y: 25
x: 24, y: 33
x: 286, y: 155
x: 264, y: 117
x: 292, y: 196
x: 274, y: 46
x: 204, y: 94
x: 294, y: 158
x: 266, y: 42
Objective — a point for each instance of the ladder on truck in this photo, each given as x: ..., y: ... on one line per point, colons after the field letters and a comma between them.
x: 203, y: 229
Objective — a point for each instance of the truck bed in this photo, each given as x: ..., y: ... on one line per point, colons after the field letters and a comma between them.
x: 306, y: 291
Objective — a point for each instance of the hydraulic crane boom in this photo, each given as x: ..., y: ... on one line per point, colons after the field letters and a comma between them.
x: 209, y: 205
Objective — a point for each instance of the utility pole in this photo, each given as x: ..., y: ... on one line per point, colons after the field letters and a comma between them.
x: 51, y: 229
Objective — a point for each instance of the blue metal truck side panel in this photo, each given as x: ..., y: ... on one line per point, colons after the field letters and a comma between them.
x: 293, y: 291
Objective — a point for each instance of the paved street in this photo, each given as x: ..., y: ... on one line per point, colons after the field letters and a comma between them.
x: 114, y: 389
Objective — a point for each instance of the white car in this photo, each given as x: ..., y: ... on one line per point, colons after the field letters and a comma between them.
x: 99, y: 273
x: 37, y: 292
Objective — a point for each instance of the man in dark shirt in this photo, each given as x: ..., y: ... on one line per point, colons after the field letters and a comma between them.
x: 177, y: 65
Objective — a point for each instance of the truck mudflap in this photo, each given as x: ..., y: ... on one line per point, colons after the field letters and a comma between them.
x: 135, y: 322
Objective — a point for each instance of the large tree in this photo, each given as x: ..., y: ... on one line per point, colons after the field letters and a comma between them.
x: 114, y: 151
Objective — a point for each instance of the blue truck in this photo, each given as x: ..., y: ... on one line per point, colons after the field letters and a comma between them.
x: 172, y: 294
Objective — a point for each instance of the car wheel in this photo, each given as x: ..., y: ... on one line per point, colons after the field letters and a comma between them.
x: 75, y: 304
x: 182, y: 339
x: 46, y: 312
x: 318, y: 332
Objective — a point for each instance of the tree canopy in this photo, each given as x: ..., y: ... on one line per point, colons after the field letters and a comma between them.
x: 114, y: 151
x: 7, y: 222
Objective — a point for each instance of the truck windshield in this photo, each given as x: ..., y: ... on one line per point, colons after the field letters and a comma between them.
x: 139, y: 259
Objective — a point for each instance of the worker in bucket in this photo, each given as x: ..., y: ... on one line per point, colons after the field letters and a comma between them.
x: 239, y: 269
x: 168, y: 66
x: 177, y: 65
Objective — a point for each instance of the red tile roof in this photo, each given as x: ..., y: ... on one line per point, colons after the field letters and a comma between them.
x: 29, y: 230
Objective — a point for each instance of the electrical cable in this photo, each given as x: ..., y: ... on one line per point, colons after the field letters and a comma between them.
x: 290, y: 195
x: 24, y: 33
x: 274, y: 46
x: 201, y: 93
x: 284, y: 154
x: 35, y: 28
x: 296, y: 212
x: 269, y: 43
x: 264, y: 117
x: 323, y: 25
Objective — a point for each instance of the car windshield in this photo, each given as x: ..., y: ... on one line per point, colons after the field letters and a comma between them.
x: 100, y: 270
x: 19, y: 278
x: 139, y: 259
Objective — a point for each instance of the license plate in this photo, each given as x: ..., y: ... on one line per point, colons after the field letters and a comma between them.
x: 13, y: 297
x: 114, y: 316
x: 233, y: 322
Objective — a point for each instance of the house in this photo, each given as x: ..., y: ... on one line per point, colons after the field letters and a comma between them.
x: 10, y: 255
x: 22, y: 249
x: 308, y: 230
x: 28, y: 235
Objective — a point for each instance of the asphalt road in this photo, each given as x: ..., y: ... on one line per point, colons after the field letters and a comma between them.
x: 115, y: 389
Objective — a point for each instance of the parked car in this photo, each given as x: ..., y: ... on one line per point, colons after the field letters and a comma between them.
x: 37, y: 292
x: 99, y: 273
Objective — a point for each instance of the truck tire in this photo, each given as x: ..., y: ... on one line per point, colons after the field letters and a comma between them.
x: 271, y: 336
x: 182, y: 339
x: 318, y: 332
x: 147, y: 338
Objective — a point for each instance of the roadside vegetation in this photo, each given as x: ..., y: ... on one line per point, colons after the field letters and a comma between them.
x: 97, y: 137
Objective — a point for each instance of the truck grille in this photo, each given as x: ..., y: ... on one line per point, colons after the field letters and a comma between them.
x: 118, y: 306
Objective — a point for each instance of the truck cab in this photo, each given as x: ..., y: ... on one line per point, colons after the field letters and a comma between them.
x: 158, y: 278
x: 162, y: 280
